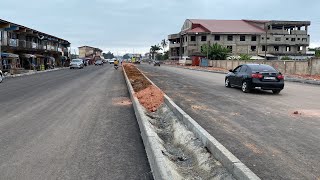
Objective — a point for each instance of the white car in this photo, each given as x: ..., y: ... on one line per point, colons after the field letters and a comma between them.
x: 76, y: 63
x: 111, y: 61
x: 1, y: 76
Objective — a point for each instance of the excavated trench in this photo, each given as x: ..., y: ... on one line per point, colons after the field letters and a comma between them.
x: 186, y: 156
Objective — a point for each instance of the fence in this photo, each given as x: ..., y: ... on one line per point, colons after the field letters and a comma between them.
x: 310, y: 67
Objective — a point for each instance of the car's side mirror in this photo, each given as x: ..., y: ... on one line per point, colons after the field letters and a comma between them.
x: 230, y: 70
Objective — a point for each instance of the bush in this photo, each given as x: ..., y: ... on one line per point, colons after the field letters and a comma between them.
x: 244, y: 57
x: 215, y: 51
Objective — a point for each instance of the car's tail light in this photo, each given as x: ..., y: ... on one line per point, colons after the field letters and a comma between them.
x: 257, y: 76
x: 280, y: 76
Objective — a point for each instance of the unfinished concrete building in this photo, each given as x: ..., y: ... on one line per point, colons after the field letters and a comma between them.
x: 270, y: 39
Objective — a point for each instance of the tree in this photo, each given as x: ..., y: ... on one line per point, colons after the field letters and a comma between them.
x: 164, y: 44
x: 126, y: 56
x: 154, y: 49
x: 165, y: 55
x: 109, y: 55
x: 215, y: 51
x: 317, y: 53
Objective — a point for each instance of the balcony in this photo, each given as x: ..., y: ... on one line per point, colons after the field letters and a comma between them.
x: 174, y: 45
x: 28, y: 45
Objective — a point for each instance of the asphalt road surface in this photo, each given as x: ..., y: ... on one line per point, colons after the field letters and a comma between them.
x: 70, y: 124
x: 259, y: 128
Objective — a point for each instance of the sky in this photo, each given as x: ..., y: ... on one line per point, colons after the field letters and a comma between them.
x: 127, y: 26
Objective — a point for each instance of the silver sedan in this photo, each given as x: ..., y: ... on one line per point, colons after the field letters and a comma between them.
x: 76, y: 63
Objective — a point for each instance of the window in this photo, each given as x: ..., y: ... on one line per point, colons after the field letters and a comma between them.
x: 229, y: 47
x: 304, y: 39
x: 217, y: 37
x: 268, y: 38
x: 203, y: 38
x: 238, y: 69
x: 278, y: 39
x: 287, y: 39
x: 264, y: 48
x: 253, y: 48
x: 262, y: 38
x: 300, y: 48
x: 243, y: 69
x: 288, y: 48
x: 186, y: 38
x: 193, y: 38
x: 230, y: 38
x: 276, y: 48
x: 242, y: 38
x: 253, y: 38
x: 298, y: 39
x: 293, y: 39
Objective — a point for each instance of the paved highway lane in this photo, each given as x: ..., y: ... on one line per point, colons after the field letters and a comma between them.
x: 70, y: 124
x: 259, y: 128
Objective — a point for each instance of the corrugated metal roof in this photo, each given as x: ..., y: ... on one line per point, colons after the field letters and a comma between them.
x: 227, y: 26
x: 197, y: 29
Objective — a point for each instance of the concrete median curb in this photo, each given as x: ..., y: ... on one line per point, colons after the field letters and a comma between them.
x: 287, y: 78
x: 149, y: 137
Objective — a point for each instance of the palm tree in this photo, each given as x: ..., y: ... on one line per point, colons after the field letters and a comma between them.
x: 154, y: 49
x: 164, y: 44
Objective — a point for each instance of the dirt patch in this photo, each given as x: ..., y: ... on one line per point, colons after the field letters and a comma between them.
x: 148, y: 95
x: 253, y: 148
x: 310, y: 77
x: 137, y: 80
x: 308, y: 113
x: 121, y: 101
x: 197, y: 107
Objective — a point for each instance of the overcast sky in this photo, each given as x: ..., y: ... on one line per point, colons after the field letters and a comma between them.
x: 126, y: 25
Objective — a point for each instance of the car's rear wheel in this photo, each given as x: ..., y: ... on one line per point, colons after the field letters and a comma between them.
x: 227, y: 83
x: 1, y: 78
x: 276, y: 91
x: 245, y: 87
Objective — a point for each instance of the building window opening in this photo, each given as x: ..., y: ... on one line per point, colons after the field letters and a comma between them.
x: 253, y: 48
x: 288, y: 48
x: 276, y: 48
x: 193, y: 38
x: 242, y: 38
x: 278, y: 39
x: 264, y: 48
x: 230, y: 38
x: 217, y: 37
x: 253, y: 38
x: 203, y: 38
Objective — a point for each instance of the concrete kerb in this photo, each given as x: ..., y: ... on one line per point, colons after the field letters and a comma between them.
x: 154, y: 153
x: 222, y: 154
x: 32, y: 73
x: 287, y: 78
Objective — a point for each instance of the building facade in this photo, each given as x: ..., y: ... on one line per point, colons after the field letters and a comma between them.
x: 89, y: 52
x: 272, y: 39
x: 25, y: 48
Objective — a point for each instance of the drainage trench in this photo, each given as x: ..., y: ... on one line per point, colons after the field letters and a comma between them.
x: 185, y: 154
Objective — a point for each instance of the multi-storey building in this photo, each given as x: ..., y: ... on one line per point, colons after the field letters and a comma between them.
x: 89, y: 52
x: 23, y: 47
x: 271, y: 39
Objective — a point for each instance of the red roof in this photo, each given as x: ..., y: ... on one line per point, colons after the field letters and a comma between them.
x: 226, y: 26
x: 197, y: 29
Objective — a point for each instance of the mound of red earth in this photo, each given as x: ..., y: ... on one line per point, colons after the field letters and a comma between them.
x: 148, y: 95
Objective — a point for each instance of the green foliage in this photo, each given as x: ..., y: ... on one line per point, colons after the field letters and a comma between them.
x: 126, y: 56
x: 317, y: 53
x: 245, y: 57
x: 286, y: 58
x: 109, y: 55
x: 164, y: 44
x: 215, y: 51
x: 154, y: 49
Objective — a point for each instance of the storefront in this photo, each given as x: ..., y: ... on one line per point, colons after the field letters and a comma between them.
x: 27, y: 61
x: 10, y: 61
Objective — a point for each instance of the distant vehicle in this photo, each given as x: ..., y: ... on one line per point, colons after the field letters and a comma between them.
x: 156, y: 63
x: 76, y: 63
x: 111, y: 61
x: 185, y: 60
x: 98, y: 63
x: 104, y: 61
x: 255, y: 76
x: 1, y: 76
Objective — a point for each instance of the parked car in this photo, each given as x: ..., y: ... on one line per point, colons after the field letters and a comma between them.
x: 255, y: 76
x: 156, y: 63
x: 98, y: 63
x: 1, y: 76
x: 76, y: 63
